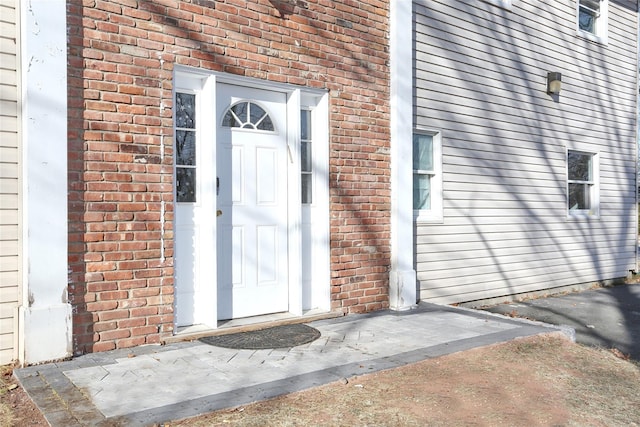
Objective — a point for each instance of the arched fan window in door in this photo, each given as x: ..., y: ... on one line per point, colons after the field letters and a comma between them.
x: 248, y: 115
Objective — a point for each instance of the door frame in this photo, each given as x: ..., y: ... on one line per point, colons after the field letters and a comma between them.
x: 296, y: 97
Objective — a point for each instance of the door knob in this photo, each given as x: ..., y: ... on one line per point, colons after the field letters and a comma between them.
x: 218, y: 212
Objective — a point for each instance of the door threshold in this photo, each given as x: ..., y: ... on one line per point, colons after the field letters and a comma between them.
x: 246, y: 324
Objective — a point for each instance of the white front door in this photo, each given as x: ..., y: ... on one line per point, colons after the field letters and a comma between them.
x: 252, y: 202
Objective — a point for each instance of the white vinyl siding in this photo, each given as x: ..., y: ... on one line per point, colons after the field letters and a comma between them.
x: 9, y: 181
x: 480, y: 75
x: 502, y: 3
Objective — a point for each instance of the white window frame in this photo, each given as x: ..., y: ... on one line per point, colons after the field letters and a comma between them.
x: 602, y: 23
x: 505, y: 4
x: 594, y: 193
x: 434, y: 214
x: 310, y: 139
x: 197, y: 131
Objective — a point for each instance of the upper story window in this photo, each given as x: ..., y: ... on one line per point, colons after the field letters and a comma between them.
x: 582, y: 183
x: 592, y: 19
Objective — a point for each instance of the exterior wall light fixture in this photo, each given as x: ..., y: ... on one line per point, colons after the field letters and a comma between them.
x: 554, y: 83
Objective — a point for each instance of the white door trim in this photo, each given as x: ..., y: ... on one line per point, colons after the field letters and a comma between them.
x: 320, y: 287
x: 295, y: 213
x: 199, y: 305
x: 208, y: 313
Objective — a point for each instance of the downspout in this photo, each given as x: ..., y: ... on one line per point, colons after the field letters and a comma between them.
x: 162, y: 202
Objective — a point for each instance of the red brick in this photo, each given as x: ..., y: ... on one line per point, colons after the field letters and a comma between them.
x: 103, y: 346
x: 120, y: 105
x: 115, y: 334
x: 131, y: 323
x: 113, y: 314
x: 113, y: 295
x: 144, y: 330
x: 104, y: 326
x: 101, y: 306
x: 130, y: 342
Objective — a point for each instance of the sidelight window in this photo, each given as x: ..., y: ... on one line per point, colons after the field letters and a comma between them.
x: 185, y: 148
x: 306, y: 160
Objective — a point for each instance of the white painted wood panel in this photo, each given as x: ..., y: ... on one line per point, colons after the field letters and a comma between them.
x: 480, y: 77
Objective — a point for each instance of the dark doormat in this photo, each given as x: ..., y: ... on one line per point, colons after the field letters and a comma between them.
x: 284, y: 336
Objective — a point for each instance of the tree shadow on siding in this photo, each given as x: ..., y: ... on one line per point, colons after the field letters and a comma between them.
x: 480, y: 79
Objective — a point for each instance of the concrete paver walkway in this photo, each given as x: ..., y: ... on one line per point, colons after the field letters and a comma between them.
x: 154, y: 384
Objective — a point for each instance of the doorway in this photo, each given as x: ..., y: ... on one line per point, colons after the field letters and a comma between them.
x: 244, y: 233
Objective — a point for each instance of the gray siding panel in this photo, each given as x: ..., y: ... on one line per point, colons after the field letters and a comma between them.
x: 480, y: 79
x: 9, y: 181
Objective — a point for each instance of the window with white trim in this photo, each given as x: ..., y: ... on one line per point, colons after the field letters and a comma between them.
x: 427, y: 175
x: 306, y: 157
x: 185, y: 149
x: 592, y: 19
x: 582, y: 183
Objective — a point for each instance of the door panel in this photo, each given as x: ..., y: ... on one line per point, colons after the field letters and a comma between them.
x: 267, y: 251
x: 187, y: 264
x: 252, y: 173
x: 266, y: 176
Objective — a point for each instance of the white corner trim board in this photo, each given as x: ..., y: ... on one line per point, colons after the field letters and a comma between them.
x: 402, y: 278
x: 46, y: 313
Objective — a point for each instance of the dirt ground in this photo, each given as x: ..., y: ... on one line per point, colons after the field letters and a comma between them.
x: 16, y: 408
x: 536, y: 381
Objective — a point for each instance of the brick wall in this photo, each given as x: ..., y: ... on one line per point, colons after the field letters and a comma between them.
x: 121, y: 58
